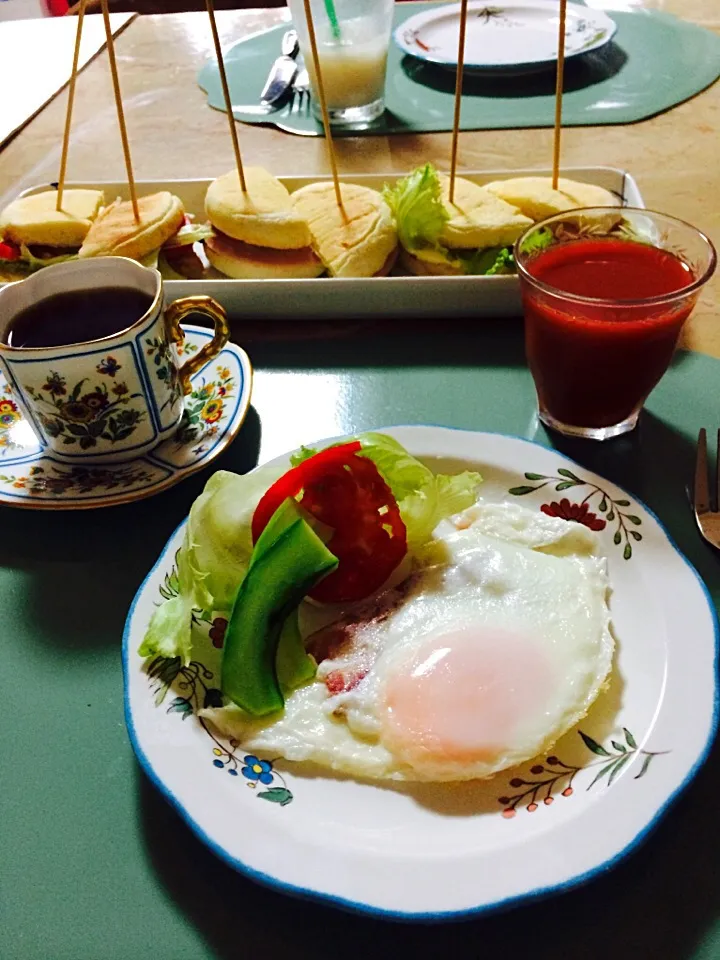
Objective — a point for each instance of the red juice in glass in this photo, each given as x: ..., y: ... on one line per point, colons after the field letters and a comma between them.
x: 603, y: 313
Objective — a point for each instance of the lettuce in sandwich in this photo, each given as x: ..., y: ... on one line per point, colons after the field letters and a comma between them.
x: 473, y: 235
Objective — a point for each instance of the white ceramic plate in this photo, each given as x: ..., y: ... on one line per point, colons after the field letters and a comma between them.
x: 431, y: 852
x: 511, y: 36
x: 214, y: 411
x: 343, y: 299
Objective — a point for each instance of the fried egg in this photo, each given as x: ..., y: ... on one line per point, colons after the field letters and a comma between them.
x: 496, y: 645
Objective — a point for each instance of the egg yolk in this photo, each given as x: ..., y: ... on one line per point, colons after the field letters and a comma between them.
x: 465, y: 696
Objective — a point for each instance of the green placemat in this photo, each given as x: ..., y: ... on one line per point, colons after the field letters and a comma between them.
x: 655, y: 62
x: 95, y: 865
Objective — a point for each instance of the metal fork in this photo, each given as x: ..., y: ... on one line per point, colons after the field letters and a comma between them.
x: 300, y: 91
x: 707, y: 508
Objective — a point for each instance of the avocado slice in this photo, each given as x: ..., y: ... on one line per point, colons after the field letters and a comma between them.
x: 288, y: 560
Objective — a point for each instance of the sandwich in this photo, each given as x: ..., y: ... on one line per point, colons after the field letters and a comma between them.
x: 34, y: 234
x: 536, y: 198
x: 473, y: 235
x: 115, y: 232
x: 259, y: 234
x: 362, y: 242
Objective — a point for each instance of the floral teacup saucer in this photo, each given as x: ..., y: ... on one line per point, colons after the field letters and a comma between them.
x: 214, y: 412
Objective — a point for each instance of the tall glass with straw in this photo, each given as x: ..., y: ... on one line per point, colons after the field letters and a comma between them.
x: 353, y: 37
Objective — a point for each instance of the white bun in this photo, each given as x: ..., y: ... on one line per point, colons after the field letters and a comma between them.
x: 34, y: 219
x: 116, y: 233
x: 537, y: 199
x: 357, y: 245
x: 263, y: 217
x: 478, y: 218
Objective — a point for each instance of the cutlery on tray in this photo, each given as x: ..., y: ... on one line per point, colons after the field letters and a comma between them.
x: 280, y: 79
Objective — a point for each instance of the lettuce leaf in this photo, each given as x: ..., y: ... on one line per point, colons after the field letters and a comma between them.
x: 420, y: 214
x: 189, y: 233
x: 217, y: 544
x: 34, y: 263
x: 489, y: 262
x: 12, y: 270
x: 212, y: 560
x: 538, y: 241
x: 417, y: 205
x: 424, y: 498
x: 27, y: 263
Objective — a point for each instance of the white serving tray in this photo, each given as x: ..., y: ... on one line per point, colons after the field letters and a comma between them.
x: 396, y: 296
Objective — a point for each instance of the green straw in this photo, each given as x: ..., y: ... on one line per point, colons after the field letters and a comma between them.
x: 332, y: 17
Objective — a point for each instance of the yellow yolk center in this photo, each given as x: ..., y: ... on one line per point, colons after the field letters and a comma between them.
x: 464, y: 695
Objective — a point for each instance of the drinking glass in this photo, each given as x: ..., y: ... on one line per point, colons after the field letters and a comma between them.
x: 352, y: 39
x: 605, y: 292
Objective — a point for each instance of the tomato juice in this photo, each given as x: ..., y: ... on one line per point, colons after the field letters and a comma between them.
x: 594, y: 361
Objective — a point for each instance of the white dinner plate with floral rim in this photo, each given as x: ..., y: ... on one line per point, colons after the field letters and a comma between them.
x: 213, y: 414
x: 510, y: 36
x: 441, y: 851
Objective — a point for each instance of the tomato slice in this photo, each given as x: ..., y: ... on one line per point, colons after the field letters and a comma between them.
x: 346, y: 492
x: 8, y: 251
x: 292, y: 482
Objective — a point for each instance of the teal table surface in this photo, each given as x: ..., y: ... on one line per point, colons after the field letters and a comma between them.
x: 654, y: 62
x: 94, y: 865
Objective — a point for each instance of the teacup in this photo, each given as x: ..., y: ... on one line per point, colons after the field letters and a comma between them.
x: 115, y: 397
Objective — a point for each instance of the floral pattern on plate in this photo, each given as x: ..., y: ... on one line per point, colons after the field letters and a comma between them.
x: 194, y: 690
x: 204, y: 409
x: 611, y: 510
x: 554, y: 776
x: 215, y: 410
x: 59, y: 480
x: 10, y: 416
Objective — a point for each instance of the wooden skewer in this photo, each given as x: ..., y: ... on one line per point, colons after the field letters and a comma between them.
x: 70, y: 102
x: 323, y: 108
x: 559, y: 93
x: 458, y: 96
x: 119, y: 108
x: 226, y: 95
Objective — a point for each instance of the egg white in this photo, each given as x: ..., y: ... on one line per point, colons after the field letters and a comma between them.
x: 497, y: 574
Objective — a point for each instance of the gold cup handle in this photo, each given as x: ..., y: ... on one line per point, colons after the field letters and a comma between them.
x: 176, y: 312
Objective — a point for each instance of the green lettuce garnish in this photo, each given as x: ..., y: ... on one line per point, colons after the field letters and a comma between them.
x: 420, y: 215
x: 217, y: 545
x: 33, y: 263
x: 417, y: 205
x: 190, y: 233
x: 490, y: 262
x: 537, y: 241
x: 212, y: 560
